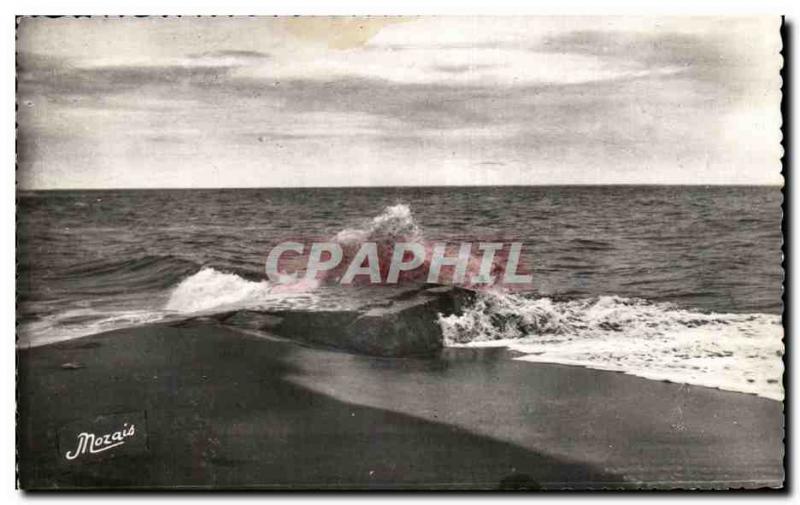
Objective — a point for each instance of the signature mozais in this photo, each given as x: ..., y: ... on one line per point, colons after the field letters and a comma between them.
x: 92, y: 443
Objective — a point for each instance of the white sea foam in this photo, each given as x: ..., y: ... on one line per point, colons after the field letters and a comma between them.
x: 206, y: 291
x: 212, y: 290
x: 77, y: 323
x: 737, y: 352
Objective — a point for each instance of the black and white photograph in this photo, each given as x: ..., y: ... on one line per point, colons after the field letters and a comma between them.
x: 405, y: 253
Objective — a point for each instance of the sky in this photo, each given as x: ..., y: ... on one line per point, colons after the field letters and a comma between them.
x: 396, y: 101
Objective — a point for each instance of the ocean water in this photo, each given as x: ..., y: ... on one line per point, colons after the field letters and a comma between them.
x: 668, y: 283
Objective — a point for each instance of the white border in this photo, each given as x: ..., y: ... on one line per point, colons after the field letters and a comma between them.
x: 322, y: 7
x: 409, y: 7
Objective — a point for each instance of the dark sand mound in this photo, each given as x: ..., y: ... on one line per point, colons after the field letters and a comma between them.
x: 402, y: 325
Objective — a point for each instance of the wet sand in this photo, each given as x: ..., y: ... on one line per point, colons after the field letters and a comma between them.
x: 225, y: 409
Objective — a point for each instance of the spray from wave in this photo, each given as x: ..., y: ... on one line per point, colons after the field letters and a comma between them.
x: 394, y: 223
x: 737, y: 352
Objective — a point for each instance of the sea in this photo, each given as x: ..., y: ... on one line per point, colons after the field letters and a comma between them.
x: 676, y: 283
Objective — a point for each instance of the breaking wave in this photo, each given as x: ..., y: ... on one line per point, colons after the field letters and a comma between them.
x: 737, y: 352
x: 117, y: 294
x: 210, y: 290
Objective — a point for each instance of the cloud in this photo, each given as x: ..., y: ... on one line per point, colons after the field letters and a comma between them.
x: 454, y: 66
x: 463, y: 68
x: 508, y: 100
x: 233, y: 53
x: 655, y: 48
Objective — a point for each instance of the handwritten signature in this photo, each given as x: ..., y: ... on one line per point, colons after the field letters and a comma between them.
x: 92, y: 443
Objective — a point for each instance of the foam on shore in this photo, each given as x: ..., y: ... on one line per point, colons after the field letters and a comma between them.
x: 736, y: 352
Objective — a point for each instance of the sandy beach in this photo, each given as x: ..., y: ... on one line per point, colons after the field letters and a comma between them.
x: 230, y: 410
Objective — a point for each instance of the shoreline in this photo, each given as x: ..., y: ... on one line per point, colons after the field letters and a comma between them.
x: 230, y: 410
x: 521, y: 356
x: 504, y: 345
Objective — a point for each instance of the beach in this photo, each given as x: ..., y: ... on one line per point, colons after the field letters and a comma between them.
x: 227, y: 409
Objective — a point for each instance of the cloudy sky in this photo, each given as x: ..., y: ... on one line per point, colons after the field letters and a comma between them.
x: 254, y: 102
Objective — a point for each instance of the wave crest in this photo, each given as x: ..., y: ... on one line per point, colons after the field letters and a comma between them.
x: 209, y: 289
x: 212, y: 290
